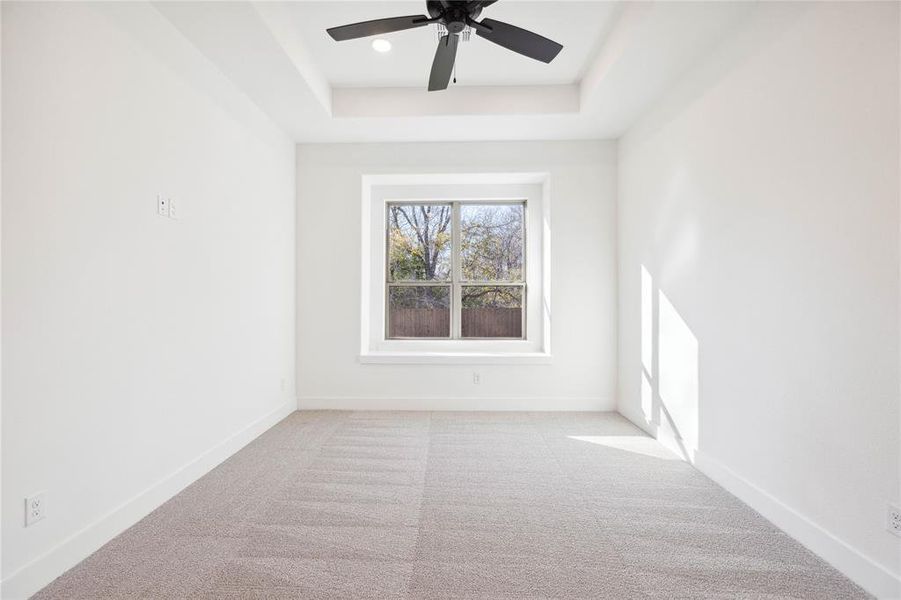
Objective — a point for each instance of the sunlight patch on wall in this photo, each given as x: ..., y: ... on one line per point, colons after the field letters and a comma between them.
x: 647, y: 345
x: 678, y: 374
x: 647, y: 398
x: 647, y: 320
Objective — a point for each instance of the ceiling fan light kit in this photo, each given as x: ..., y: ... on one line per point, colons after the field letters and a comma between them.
x: 455, y: 19
x: 464, y: 35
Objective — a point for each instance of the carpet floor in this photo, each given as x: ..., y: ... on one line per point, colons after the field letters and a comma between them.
x: 453, y: 505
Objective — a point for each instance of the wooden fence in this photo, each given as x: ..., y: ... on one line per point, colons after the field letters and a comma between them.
x: 419, y: 322
x: 477, y: 322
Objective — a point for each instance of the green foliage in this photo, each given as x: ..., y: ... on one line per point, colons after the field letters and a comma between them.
x: 491, y: 249
x: 419, y: 242
x: 492, y: 297
x: 492, y: 242
x: 419, y: 297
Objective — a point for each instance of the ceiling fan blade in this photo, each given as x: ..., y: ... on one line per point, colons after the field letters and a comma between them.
x: 376, y: 27
x: 519, y: 40
x: 443, y: 63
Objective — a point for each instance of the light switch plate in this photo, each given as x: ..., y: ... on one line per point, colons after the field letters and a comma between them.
x: 162, y: 205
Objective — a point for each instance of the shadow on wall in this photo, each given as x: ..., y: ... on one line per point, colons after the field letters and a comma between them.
x: 670, y: 373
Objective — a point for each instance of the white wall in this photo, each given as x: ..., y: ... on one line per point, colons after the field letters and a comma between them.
x: 583, y: 278
x: 761, y: 196
x: 138, y: 350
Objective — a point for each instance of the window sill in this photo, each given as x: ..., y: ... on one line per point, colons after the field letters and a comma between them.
x: 455, y: 358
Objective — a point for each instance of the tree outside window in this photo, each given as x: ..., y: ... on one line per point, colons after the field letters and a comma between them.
x: 455, y: 270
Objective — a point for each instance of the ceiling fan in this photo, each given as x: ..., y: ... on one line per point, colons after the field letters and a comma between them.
x: 455, y: 15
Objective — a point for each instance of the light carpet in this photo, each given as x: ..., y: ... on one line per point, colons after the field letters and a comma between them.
x: 453, y: 505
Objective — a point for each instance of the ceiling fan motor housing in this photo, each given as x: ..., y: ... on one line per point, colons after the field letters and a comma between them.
x: 454, y: 13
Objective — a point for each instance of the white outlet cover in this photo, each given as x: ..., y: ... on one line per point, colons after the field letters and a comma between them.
x: 35, y: 508
x: 173, y: 209
x: 893, y: 519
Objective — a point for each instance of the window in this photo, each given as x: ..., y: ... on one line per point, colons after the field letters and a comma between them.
x: 455, y: 270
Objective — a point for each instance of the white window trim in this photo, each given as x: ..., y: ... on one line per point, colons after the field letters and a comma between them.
x: 377, y: 190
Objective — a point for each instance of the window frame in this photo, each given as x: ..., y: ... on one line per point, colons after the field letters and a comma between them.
x: 379, y: 188
x: 456, y: 282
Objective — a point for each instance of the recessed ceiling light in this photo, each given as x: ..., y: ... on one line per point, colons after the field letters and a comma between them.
x: 380, y: 45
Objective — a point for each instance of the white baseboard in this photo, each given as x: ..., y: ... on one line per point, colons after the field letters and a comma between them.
x: 864, y: 571
x: 870, y: 575
x: 38, y: 573
x: 470, y: 404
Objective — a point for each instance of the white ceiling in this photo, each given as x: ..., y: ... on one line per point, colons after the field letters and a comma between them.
x: 577, y: 25
x: 617, y: 59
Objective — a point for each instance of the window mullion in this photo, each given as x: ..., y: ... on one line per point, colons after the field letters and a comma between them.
x: 456, y: 274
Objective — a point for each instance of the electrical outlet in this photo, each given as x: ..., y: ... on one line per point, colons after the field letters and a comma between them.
x: 174, y: 212
x: 162, y: 205
x: 35, y: 508
x: 893, y: 520
x: 476, y: 378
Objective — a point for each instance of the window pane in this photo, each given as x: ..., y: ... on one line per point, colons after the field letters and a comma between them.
x: 419, y: 242
x: 492, y: 312
x: 492, y: 240
x: 419, y: 311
